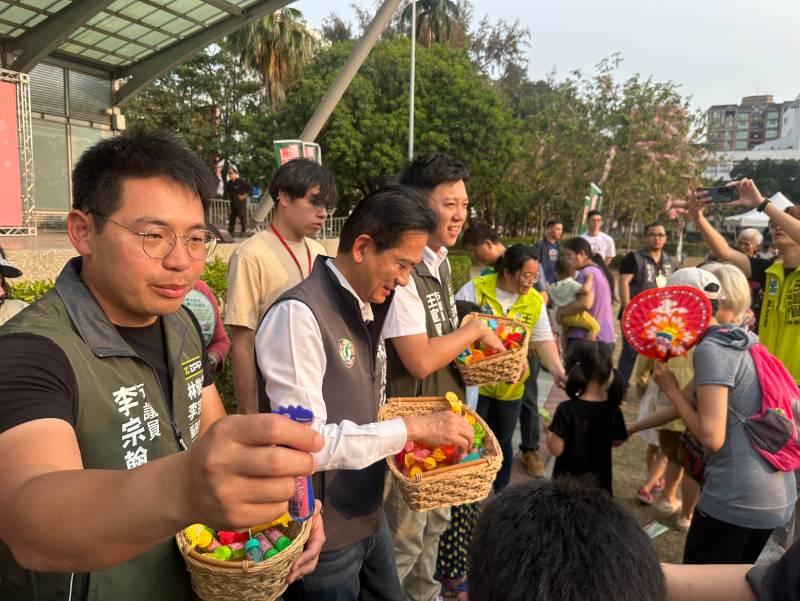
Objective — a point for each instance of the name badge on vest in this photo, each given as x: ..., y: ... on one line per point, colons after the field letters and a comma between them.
x: 347, y: 352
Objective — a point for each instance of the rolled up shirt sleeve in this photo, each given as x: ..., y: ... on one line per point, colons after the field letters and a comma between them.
x: 406, y: 315
x: 292, y: 362
x: 542, y: 332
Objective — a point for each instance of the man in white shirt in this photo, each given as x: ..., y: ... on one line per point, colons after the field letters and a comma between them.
x: 602, y: 244
x: 424, y: 339
x: 320, y: 347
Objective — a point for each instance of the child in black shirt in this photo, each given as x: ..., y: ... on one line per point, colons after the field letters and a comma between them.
x: 586, y: 426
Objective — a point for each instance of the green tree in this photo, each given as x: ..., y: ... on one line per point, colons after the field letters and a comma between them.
x: 335, y: 29
x: 203, y: 100
x: 500, y: 48
x: 277, y: 47
x: 366, y: 137
x: 772, y: 176
x: 436, y: 20
x: 637, y: 139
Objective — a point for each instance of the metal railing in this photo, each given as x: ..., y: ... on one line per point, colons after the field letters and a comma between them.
x: 218, y: 212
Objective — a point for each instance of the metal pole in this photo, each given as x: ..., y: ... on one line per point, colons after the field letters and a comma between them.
x: 349, y: 70
x: 413, y: 78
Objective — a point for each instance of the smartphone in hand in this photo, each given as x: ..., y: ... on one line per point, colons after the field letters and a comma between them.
x: 720, y: 193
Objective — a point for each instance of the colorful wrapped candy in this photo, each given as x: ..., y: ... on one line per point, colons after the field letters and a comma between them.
x: 240, y: 546
x: 511, y: 335
x: 417, y: 457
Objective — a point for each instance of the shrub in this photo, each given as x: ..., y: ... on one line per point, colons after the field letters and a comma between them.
x: 224, y: 382
x: 459, y: 269
x: 216, y: 276
x: 31, y: 290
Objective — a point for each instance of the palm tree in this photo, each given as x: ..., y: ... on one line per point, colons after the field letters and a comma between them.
x: 277, y: 47
x: 435, y: 20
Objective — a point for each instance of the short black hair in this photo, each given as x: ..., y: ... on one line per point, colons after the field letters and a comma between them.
x: 478, y: 233
x: 565, y: 266
x: 551, y: 222
x: 464, y: 308
x: 295, y: 177
x: 385, y: 215
x: 561, y: 539
x: 586, y: 361
x: 592, y: 213
x: 654, y: 224
x: 578, y: 244
x: 428, y: 171
x: 514, y: 258
x: 102, y: 169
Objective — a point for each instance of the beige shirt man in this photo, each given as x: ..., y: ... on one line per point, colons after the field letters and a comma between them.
x: 259, y: 271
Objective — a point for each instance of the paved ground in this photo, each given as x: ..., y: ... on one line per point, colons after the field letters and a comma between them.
x: 629, y: 471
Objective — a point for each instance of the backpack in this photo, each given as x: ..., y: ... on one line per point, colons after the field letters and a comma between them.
x: 773, y: 431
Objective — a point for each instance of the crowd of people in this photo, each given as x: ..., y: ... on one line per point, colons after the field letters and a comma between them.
x: 119, y: 438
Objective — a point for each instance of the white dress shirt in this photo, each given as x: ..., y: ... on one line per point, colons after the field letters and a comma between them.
x: 541, y: 329
x: 407, y: 314
x: 292, y: 362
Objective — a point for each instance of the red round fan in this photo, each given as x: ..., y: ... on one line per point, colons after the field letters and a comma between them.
x: 666, y: 322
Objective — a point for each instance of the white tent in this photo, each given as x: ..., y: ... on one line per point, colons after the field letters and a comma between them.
x: 753, y: 218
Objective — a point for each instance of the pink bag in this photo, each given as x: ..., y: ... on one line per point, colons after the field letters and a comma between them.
x: 773, y: 431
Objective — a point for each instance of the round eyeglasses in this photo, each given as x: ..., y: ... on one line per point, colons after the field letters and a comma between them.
x: 158, y: 241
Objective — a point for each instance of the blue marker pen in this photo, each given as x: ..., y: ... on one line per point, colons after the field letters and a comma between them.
x: 301, y: 505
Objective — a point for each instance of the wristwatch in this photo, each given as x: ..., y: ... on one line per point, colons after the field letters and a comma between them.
x: 763, y: 205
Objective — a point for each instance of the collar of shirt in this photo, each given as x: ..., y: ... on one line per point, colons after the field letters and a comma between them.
x: 434, y: 260
x: 366, y: 308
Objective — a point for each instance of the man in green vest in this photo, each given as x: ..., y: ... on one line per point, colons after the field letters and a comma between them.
x: 424, y: 339
x: 779, y: 322
x: 112, y: 433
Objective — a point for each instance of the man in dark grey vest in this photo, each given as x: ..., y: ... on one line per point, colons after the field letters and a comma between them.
x: 112, y: 433
x: 640, y: 270
x: 424, y: 339
x: 320, y: 346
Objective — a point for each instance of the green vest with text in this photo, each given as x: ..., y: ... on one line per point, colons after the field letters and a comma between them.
x: 525, y: 309
x: 122, y: 420
x: 441, y: 319
x: 779, y: 323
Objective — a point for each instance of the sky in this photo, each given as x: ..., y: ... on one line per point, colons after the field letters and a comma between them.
x: 717, y: 51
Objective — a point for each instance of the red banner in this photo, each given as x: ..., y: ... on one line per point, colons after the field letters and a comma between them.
x: 10, y: 186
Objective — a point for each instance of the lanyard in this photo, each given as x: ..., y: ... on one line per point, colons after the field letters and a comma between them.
x: 289, y: 250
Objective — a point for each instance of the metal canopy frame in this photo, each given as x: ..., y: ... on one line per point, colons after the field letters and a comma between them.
x: 25, y: 138
x: 134, y: 39
x: 47, y: 35
x: 144, y: 72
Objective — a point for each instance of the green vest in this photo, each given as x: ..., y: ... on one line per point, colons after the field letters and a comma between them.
x: 122, y: 420
x: 440, y: 319
x: 779, y: 323
x: 526, y: 309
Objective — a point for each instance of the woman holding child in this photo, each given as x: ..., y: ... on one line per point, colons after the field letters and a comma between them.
x: 597, y: 297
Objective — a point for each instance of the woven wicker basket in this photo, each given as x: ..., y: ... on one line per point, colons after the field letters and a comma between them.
x: 244, y: 580
x: 451, y: 485
x: 502, y: 367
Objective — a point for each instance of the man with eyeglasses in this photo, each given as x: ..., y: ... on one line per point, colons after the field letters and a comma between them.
x: 640, y: 270
x: 269, y: 263
x: 112, y: 433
